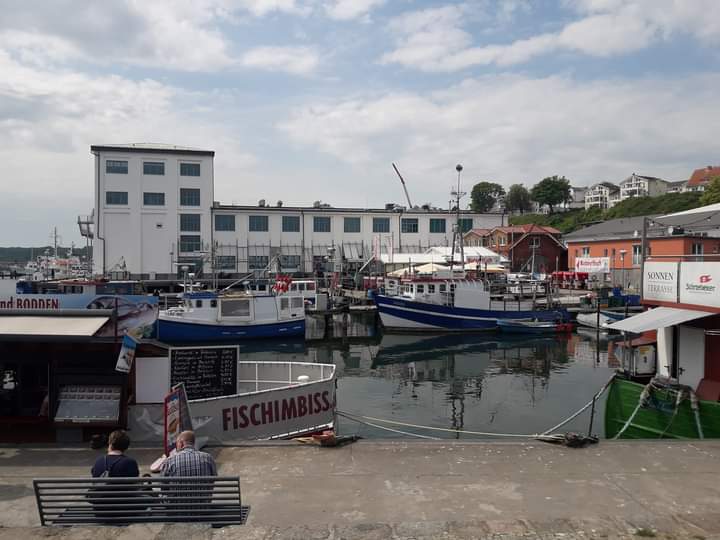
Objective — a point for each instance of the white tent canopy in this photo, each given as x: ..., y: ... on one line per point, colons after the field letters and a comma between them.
x: 661, y: 317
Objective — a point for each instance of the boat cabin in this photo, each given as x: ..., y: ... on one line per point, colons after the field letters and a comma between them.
x: 239, y: 307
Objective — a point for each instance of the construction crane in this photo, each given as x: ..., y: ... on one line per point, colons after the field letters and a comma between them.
x: 402, y: 181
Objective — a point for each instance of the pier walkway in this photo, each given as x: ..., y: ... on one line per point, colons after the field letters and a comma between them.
x: 420, y: 490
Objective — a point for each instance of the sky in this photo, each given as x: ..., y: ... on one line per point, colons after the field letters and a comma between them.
x: 306, y: 100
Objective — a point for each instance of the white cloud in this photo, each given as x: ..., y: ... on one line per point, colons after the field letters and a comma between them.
x: 437, y: 40
x: 295, y: 60
x: 344, y: 10
x: 515, y: 129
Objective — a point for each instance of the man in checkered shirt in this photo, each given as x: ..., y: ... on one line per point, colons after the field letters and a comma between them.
x: 189, y: 462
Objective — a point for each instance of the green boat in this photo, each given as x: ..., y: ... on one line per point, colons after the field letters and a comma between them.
x: 659, y: 416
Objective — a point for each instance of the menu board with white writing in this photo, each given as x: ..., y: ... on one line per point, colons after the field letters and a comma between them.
x: 206, y: 371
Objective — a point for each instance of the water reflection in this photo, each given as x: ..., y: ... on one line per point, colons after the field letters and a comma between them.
x: 486, y: 382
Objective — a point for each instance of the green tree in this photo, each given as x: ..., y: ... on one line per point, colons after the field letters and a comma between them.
x: 484, y: 195
x: 711, y: 195
x: 552, y: 191
x: 518, y: 199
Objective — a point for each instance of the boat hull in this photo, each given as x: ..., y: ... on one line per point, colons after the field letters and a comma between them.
x: 519, y: 328
x: 657, y: 419
x: 178, y: 331
x: 399, y: 314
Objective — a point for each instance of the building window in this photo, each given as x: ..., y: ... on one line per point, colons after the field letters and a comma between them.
x: 257, y: 262
x: 321, y: 224
x: 613, y: 253
x: 189, y: 169
x: 291, y: 224
x: 637, y: 257
x: 576, y: 252
x: 437, y: 225
x: 352, y: 224
x: 154, y: 199
x: 605, y: 252
x: 697, y: 248
x: 290, y: 262
x: 154, y: 167
x: 466, y: 224
x: 409, y: 225
x: 258, y: 223
x: 381, y: 225
x: 189, y: 197
x: 586, y: 251
x: 116, y: 197
x: 225, y: 262
x: 116, y: 167
x: 224, y: 222
x: 502, y: 239
x: 535, y: 242
x: 190, y: 222
x: 189, y: 243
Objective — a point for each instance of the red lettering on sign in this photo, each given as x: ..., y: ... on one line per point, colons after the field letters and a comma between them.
x: 289, y: 409
x: 242, y: 415
x: 326, y: 401
x: 226, y: 417
x: 253, y: 418
x: 267, y: 412
x: 301, y: 406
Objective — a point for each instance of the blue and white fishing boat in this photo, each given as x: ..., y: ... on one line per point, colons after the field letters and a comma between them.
x: 230, y: 316
x: 453, y: 305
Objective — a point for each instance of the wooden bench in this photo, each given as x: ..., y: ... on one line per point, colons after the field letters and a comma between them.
x: 121, y: 501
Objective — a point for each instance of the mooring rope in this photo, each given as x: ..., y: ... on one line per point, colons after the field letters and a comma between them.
x: 349, y: 417
x: 540, y: 436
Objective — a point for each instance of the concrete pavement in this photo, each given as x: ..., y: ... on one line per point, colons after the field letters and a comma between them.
x: 421, y: 490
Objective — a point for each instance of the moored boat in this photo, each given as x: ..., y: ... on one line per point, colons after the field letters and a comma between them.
x: 211, y: 316
x: 591, y: 318
x: 514, y: 326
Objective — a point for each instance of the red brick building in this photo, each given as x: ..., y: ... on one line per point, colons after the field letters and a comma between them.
x: 701, y: 177
x: 528, y: 247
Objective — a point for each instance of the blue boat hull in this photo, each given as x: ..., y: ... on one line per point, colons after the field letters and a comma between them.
x: 408, y: 316
x: 517, y: 329
x: 187, y: 332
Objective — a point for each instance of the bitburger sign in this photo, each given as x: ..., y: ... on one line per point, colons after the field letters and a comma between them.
x: 660, y: 281
x: 592, y: 265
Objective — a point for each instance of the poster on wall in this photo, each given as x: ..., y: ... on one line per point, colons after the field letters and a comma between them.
x: 177, y: 416
x: 592, y: 265
x: 699, y: 282
x: 127, y: 355
x: 660, y: 281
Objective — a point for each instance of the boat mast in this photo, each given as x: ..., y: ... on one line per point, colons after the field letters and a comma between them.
x: 457, y: 230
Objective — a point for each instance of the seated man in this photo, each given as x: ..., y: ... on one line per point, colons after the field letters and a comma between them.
x: 187, y: 461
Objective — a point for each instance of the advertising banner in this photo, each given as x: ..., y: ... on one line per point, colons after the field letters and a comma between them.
x: 177, y: 416
x: 127, y: 355
x: 592, y: 265
x: 699, y: 283
x: 135, y: 312
x: 265, y: 414
x: 660, y: 281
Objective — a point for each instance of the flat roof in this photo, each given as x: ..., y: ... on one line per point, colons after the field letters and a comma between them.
x: 49, y: 326
x: 151, y: 148
x: 414, y: 211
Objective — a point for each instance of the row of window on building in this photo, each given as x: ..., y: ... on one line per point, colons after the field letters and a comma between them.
x: 150, y: 168
x: 188, y: 197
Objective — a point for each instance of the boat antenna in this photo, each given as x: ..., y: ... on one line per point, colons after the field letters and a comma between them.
x: 402, y: 181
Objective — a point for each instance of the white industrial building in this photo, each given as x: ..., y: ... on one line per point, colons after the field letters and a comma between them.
x: 155, y: 213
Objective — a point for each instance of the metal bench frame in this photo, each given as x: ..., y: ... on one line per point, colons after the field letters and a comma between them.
x: 120, y: 501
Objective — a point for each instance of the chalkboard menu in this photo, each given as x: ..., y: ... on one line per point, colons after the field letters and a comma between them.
x: 206, y: 371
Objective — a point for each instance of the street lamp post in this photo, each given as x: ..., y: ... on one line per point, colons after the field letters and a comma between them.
x: 622, y: 264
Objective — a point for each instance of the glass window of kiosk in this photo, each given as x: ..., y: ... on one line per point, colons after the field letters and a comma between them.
x: 23, y: 387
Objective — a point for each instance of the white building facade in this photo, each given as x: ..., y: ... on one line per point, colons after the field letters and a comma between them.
x: 602, y: 195
x: 636, y: 185
x: 155, y: 213
x: 152, y: 208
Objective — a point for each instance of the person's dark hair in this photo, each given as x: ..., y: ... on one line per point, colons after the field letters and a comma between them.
x: 119, y: 440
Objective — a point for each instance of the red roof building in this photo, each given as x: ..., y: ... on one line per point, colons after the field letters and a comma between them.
x: 701, y: 177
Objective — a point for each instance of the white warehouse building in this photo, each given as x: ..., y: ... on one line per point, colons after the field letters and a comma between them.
x: 155, y: 213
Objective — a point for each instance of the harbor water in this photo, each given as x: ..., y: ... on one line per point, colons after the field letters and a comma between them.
x: 476, y: 382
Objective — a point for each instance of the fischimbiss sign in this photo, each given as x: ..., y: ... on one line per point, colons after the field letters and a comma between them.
x: 694, y: 283
x: 592, y: 265
x: 660, y: 281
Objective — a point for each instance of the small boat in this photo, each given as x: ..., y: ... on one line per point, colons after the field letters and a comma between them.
x: 662, y: 409
x: 515, y: 326
x: 212, y: 317
x: 590, y: 319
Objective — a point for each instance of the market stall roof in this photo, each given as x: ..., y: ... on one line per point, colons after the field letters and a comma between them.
x: 55, y: 326
x: 661, y: 317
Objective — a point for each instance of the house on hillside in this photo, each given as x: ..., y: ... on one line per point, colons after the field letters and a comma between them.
x: 527, y: 247
x: 602, y: 195
x: 701, y: 177
x: 576, y: 200
x: 677, y: 187
x: 637, y: 185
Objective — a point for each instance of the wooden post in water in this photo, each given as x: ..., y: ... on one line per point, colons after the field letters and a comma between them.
x: 520, y: 294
